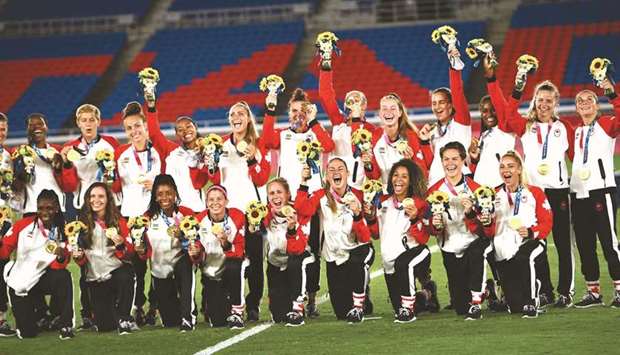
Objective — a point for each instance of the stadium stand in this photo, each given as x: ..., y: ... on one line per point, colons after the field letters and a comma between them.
x: 204, y: 71
x: 399, y: 59
x: 52, y: 74
x: 17, y: 10
x: 564, y: 37
x: 187, y: 5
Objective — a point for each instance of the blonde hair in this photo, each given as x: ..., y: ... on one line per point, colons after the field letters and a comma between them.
x: 523, y: 179
x: 250, y: 133
x: 403, y: 121
x: 546, y: 85
x: 88, y: 108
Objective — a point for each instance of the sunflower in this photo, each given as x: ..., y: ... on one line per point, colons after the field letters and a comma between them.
x: 137, y: 222
x: 5, y: 214
x: 104, y: 155
x: 149, y: 74
x: 23, y: 151
x: 598, y: 68
x: 303, y: 150
x: 368, y: 186
x: 361, y: 135
x: 443, y: 30
x: 74, y: 228
x: 438, y: 197
x: 7, y: 176
x: 255, y: 212
x: 528, y: 60
x: 215, y: 139
x: 188, y: 223
x: 484, y: 192
x: 435, y: 36
x: 471, y: 53
x: 326, y: 37
x: 272, y: 80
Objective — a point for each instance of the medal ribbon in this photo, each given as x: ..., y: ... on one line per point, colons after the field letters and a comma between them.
x: 585, y: 147
x: 452, y: 189
x: 545, y: 146
x: 517, y: 201
x: 40, y: 154
x: 149, y: 159
x: 52, y: 233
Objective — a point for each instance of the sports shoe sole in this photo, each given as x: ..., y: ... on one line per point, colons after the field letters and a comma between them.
x: 294, y: 325
x: 473, y: 318
x: 236, y: 328
x: 527, y: 316
x: 3, y: 335
x: 590, y: 305
x: 405, y: 321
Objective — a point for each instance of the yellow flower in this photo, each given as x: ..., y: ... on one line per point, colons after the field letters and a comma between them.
x: 7, y: 175
x: 23, y: 151
x: 74, y: 228
x: 443, y: 30
x: 372, y: 186
x: 437, y: 197
x: 325, y: 37
x: 435, y: 36
x: 471, y: 53
x: 149, y: 73
x: 5, y: 213
x: 137, y: 222
x: 214, y: 139
x: 361, y: 135
x: 255, y: 212
x: 527, y: 59
x: 303, y: 150
x: 104, y: 155
x: 484, y: 191
x: 188, y: 223
x: 272, y: 79
x: 598, y: 67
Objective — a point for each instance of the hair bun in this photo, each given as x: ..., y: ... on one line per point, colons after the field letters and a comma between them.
x: 132, y: 108
x: 299, y: 95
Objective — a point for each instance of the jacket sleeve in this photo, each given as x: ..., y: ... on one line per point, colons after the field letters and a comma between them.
x: 322, y: 136
x: 417, y: 229
x: 237, y: 248
x: 306, y: 205
x: 515, y: 123
x: 327, y: 94
x: 200, y: 176
x: 260, y: 171
x: 360, y: 228
x: 544, y: 216
x: 499, y: 102
x: 61, y: 262
x: 197, y: 259
x: 161, y: 144
x: 459, y: 101
x: 125, y: 250
x: 67, y: 178
x: 270, y: 134
x: 296, y: 241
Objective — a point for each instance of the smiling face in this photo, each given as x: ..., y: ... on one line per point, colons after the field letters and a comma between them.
x: 135, y: 129
x: 278, y: 196
x: 98, y: 201
x: 441, y: 106
x: 238, y: 118
x: 337, y: 175
x: 586, y: 104
x: 510, y: 171
x: 389, y: 112
x: 400, y: 182
x: 46, y: 211
x: 166, y: 197
x: 488, y: 117
x: 87, y: 122
x: 37, y: 130
x: 185, y: 131
x: 296, y: 116
x: 216, y: 203
x: 452, y: 163
x: 545, y: 104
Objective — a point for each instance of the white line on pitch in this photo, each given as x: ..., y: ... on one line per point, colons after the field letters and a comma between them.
x: 260, y: 328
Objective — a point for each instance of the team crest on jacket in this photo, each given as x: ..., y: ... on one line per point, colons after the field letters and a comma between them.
x: 288, y: 136
x: 534, y: 129
x: 381, y: 150
x: 556, y: 132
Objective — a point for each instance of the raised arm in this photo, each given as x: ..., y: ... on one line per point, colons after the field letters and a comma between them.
x: 327, y: 95
x: 459, y: 101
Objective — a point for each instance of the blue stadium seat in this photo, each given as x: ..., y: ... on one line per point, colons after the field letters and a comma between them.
x: 16, y: 10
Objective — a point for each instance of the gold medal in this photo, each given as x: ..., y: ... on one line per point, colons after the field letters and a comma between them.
x: 50, y: 153
x: 543, y: 169
x: 73, y: 155
x: 515, y: 222
x: 584, y: 173
x: 408, y: 202
x: 141, y: 179
x: 217, y: 229
x: 287, y: 211
x: 401, y: 146
x: 51, y: 247
x: 111, y: 232
x: 173, y: 231
x: 242, y: 146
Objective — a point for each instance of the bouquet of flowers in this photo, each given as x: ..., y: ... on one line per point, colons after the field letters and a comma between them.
x: 5, y: 214
x: 361, y: 140
x: 601, y: 69
x: 189, y: 230
x: 210, y: 147
x: 23, y: 158
x: 526, y: 65
x: 137, y: 228
x: 149, y: 77
x: 326, y: 44
x: 445, y: 36
x: 372, y: 190
x: 478, y: 48
x: 439, y: 202
x: 106, y: 164
x: 273, y: 84
x: 6, y: 180
x: 309, y: 152
x: 73, y: 231
x: 255, y: 212
x: 484, y: 200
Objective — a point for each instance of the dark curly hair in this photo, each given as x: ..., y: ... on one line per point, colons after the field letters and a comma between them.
x: 417, y: 181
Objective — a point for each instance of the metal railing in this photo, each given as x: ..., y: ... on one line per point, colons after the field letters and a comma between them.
x: 95, y: 24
